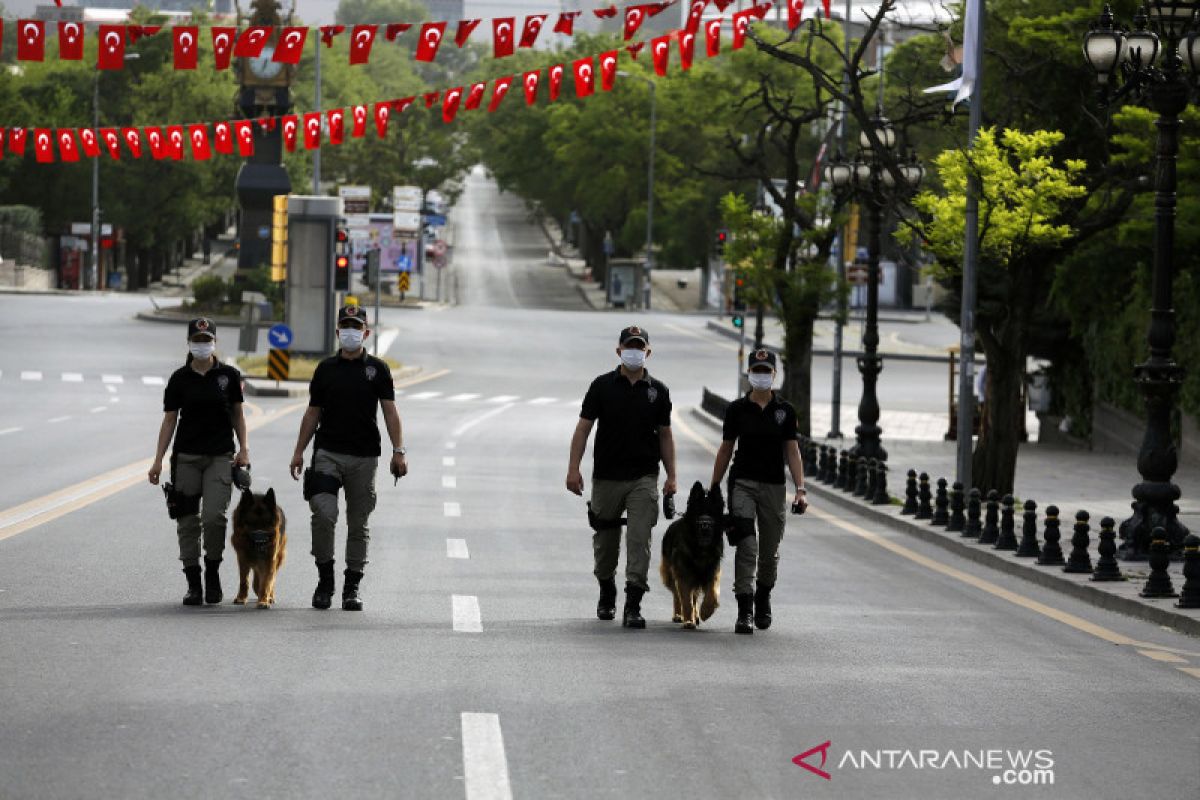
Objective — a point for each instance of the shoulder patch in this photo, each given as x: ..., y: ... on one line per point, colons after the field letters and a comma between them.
x: 780, y: 416
x: 371, y: 372
x: 652, y: 394
x: 223, y: 382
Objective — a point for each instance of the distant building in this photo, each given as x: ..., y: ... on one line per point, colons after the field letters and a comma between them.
x: 448, y: 10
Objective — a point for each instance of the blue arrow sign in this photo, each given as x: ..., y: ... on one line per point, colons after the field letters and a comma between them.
x: 280, y: 336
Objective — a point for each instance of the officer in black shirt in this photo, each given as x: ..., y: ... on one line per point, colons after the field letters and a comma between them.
x: 634, y: 434
x: 764, y: 427
x: 345, y: 393
x: 204, y: 397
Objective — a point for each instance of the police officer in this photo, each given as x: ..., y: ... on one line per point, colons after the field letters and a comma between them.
x: 345, y: 393
x: 202, y: 410
x: 634, y: 434
x: 764, y: 427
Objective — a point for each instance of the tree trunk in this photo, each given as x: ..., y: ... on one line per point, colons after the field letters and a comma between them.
x: 797, y: 369
x: 994, y: 462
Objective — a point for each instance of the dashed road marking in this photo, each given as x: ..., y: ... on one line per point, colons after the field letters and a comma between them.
x: 10, y: 430
x: 112, y: 379
x: 503, y: 398
x: 31, y: 375
x: 152, y: 380
x: 485, y: 767
x: 457, y: 548
x: 471, y: 423
x: 451, y: 510
x: 447, y: 461
x: 459, y: 398
x: 451, y: 445
x: 114, y: 399
x: 424, y: 395
x: 449, y: 482
x: 98, y: 409
x: 54, y: 420
x: 466, y: 613
x: 542, y: 401
x: 72, y: 377
x: 111, y: 389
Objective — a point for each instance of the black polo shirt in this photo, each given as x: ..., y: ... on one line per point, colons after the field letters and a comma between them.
x: 761, y: 434
x: 348, y: 391
x: 204, y: 403
x: 629, y: 416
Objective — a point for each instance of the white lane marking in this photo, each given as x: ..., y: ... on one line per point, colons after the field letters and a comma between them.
x: 542, y: 401
x: 31, y: 375
x: 114, y: 399
x: 387, y: 338
x: 111, y: 389
x: 466, y: 613
x: 459, y: 398
x: 10, y: 430
x: 424, y: 395
x: 447, y: 461
x: 152, y: 380
x: 451, y: 445
x: 449, y: 482
x: 457, y: 548
x: 451, y: 510
x: 72, y: 377
x: 503, y: 398
x: 112, y: 379
x: 471, y: 423
x: 485, y: 766
x: 59, y: 419
x: 98, y: 409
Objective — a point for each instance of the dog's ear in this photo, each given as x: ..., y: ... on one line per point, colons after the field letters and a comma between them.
x: 270, y: 498
x: 697, y: 493
x: 247, y: 499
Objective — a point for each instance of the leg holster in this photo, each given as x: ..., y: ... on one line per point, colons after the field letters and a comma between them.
x: 316, y: 483
x: 180, y: 505
x: 598, y: 524
x: 738, y: 528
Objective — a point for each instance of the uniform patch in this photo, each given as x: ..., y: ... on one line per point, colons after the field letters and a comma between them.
x: 780, y: 416
x: 223, y: 382
x: 370, y: 373
x: 652, y: 394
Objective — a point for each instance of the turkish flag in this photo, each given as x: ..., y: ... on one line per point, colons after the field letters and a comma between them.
x: 43, y: 145
x: 606, y: 13
x: 70, y: 41
x: 826, y: 4
x: 133, y: 140
x: 687, y: 49
x: 530, y: 80
x: 291, y: 45
x: 250, y: 42
x: 198, y: 134
x: 502, y: 36
x: 290, y: 123
x: 722, y: 4
x: 222, y: 39
x: 431, y: 98
x: 67, y: 149
x: 654, y: 9
x: 556, y: 75
x: 431, y: 39
x: 139, y: 32
x: 245, y: 137
x: 795, y: 9
x: 154, y: 138
x: 712, y: 37
x: 695, y: 14
x: 16, y: 141
x: 112, y: 47
x: 361, y: 40
x: 360, y: 121
x: 450, y: 104
x: 186, y: 39
x: 660, y: 48
x: 400, y: 106
x: 112, y: 140
x: 330, y: 31
x: 394, y: 29
x: 224, y: 139
x: 337, y: 125
x: 266, y: 124
x: 31, y: 40
x: 499, y: 91
x: 608, y: 70
x: 533, y: 26
x: 585, y: 77
x: 381, y: 119
x: 566, y: 23
x: 465, y: 27
x: 634, y: 17
x: 312, y: 130
x: 175, y: 142
x: 741, y: 22
x: 634, y: 49
x: 89, y: 143
x: 475, y: 96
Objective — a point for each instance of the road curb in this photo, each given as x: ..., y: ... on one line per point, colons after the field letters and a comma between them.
x: 175, y: 318
x: 1077, y: 586
x: 728, y: 333
x: 262, y: 387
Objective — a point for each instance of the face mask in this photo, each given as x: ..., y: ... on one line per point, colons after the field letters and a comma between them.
x: 761, y: 380
x: 351, y: 338
x: 201, y: 350
x: 633, y: 359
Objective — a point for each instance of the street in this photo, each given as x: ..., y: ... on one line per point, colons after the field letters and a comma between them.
x: 478, y: 668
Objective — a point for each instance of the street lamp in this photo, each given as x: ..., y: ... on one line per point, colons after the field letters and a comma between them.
x: 879, y: 180
x: 94, y: 246
x: 1131, y: 56
x: 649, y: 184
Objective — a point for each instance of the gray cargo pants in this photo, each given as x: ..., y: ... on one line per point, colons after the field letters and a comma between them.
x: 765, y: 502
x: 611, y: 499
x: 357, y: 474
x: 209, y: 477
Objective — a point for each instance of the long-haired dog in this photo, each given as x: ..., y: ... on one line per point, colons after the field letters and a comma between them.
x: 691, y: 556
x: 260, y: 540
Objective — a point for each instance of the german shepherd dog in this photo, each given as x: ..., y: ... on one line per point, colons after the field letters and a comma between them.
x: 691, y: 556
x: 260, y: 539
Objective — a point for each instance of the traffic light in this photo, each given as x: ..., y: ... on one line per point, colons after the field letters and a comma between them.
x: 738, y: 319
x: 739, y: 300
x: 721, y: 238
x: 341, y: 273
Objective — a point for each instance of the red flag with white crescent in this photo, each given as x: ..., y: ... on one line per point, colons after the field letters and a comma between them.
x: 695, y: 15
x: 330, y: 31
x: 222, y: 40
x: 43, y: 145
x: 826, y: 4
x: 359, y: 115
x: 291, y: 45
x: 465, y: 28
x: 223, y: 138
x: 290, y: 123
x: 381, y: 118
x: 16, y: 141
x: 198, y: 136
x: 634, y: 17
x: 533, y: 26
x: 795, y: 9
x: 450, y: 104
x: 312, y: 130
x: 361, y: 39
x: 337, y: 125
x: 431, y: 98
x: 185, y: 39
x: 112, y: 140
x: 556, y: 76
x: 605, y: 13
x: 394, y: 29
x: 585, y: 77
x: 530, y: 79
x: 112, y: 47
x: 250, y: 42
x: 608, y: 70
x: 174, y: 142
x: 475, y: 96
x: 70, y: 41
x: 660, y: 49
x: 566, y: 23
x: 89, y: 143
x: 154, y: 138
x: 634, y: 49
x: 500, y: 90
x: 245, y: 137
x: 712, y: 37
x: 502, y: 36
x: 741, y: 23
x: 687, y: 49
x: 431, y: 39
x: 133, y: 140
x: 31, y: 40
x: 400, y: 106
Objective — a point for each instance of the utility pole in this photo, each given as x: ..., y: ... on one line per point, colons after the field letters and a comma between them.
x: 835, y: 422
x: 316, y: 180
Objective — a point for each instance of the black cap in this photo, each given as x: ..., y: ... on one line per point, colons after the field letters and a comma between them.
x: 202, y: 325
x: 761, y: 358
x: 634, y: 332
x: 356, y: 313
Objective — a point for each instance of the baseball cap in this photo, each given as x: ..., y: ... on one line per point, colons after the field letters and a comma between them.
x: 761, y: 358
x: 634, y: 332
x: 356, y: 313
x: 202, y: 325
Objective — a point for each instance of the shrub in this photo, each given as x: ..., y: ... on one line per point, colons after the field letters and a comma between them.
x: 209, y: 292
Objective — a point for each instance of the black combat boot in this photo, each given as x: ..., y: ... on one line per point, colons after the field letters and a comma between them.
x: 323, y: 595
x: 350, y: 599
x: 762, y: 607
x: 212, y: 581
x: 195, y: 592
x: 632, y: 618
x: 607, y: 607
x: 745, y: 617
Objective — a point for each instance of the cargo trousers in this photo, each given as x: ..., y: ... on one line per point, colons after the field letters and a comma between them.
x: 639, y: 499
x: 758, y: 554
x: 357, y: 474
x: 211, y: 478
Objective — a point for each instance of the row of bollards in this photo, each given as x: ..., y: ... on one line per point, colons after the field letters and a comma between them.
x: 993, y: 521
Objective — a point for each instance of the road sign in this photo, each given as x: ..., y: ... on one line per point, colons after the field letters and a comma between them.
x: 436, y: 220
x: 406, y: 198
x: 406, y: 221
x: 404, y: 263
x: 404, y: 282
x: 355, y: 199
x: 278, y: 364
x: 280, y: 336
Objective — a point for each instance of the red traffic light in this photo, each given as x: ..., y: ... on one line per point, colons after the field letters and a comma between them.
x: 741, y: 282
x: 343, y: 236
x: 722, y: 236
x: 342, y: 262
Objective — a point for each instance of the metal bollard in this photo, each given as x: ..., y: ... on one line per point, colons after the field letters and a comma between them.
x: 881, y: 496
x: 974, y: 525
x: 1189, y: 596
x: 1159, y: 582
x: 958, y: 520
x: 1008, y: 525
x: 843, y: 471
x: 1029, y: 543
x: 1052, y: 554
x: 1107, y: 568
x: 925, y: 509
x: 941, y: 512
x: 910, y: 494
x: 1080, y: 560
x: 991, y: 523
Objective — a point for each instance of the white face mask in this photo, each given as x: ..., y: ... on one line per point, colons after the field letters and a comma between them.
x: 633, y: 359
x: 761, y: 380
x: 201, y: 350
x: 351, y: 339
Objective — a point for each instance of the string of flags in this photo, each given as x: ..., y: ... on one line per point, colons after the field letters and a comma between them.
x: 287, y: 44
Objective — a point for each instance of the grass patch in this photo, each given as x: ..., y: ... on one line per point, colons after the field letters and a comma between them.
x: 300, y: 369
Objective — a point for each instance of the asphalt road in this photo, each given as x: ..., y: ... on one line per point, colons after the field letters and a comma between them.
x: 487, y: 675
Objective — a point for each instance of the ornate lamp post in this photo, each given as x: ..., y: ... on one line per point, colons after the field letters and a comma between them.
x: 1129, y: 58
x: 879, y: 180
